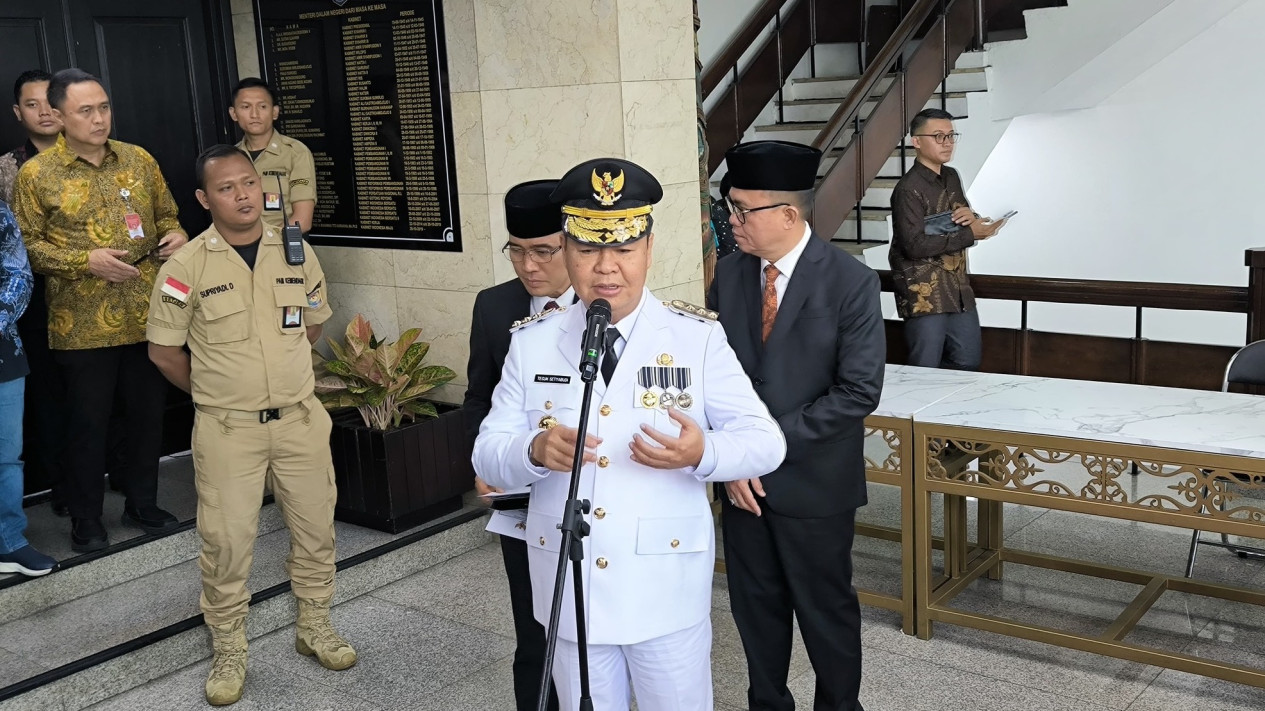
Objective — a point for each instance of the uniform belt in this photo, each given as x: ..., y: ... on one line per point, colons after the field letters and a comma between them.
x: 260, y: 416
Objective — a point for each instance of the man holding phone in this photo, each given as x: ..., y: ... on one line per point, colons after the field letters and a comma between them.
x: 934, y: 226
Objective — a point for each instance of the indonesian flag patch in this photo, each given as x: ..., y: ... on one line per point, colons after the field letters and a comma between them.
x: 173, y: 288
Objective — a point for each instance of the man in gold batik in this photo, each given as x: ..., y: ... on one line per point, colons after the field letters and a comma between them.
x: 98, y: 220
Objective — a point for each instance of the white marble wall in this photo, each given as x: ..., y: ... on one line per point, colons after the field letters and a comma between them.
x: 536, y: 88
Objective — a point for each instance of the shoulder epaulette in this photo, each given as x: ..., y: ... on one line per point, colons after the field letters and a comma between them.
x: 536, y: 318
x: 698, y: 312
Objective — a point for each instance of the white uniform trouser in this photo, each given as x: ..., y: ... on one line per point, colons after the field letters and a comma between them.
x: 668, y: 673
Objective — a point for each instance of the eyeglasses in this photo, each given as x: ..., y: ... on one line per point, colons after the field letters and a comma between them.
x: 539, y: 255
x: 942, y: 138
x: 742, y: 214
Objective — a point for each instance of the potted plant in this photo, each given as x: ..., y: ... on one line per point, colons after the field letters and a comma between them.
x: 399, y: 460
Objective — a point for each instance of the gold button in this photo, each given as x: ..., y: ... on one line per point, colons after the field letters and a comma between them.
x: 601, y: 564
x: 606, y: 410
x: 603, y: 462
x: 548, y: 404
x: 676, y: 543
x: 542, y: 540
x: 600, y: 513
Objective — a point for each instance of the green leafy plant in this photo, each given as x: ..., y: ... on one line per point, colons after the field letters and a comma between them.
x: 384, y: 381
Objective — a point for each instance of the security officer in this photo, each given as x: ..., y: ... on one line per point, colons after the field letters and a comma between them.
x: 286, y: 165
x: 673, y: 410
x: 249, y: 319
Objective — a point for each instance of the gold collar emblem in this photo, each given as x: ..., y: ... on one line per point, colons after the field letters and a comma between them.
x: 608, y: 188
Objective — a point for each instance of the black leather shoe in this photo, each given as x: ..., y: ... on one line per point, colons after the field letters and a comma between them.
x: 87, y: 535
x: 60, y: 509
x: 149, y: 519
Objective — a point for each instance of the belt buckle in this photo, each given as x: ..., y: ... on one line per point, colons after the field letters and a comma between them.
x: 266, y: 416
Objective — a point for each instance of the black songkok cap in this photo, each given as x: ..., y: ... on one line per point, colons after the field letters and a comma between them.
x: 607, y: 201
x: 773, y: 165
x: 530, y: 212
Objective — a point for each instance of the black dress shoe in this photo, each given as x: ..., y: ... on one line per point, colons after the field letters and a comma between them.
x: 60, y: 509
x: 87, y: 535
x: 149, y: 518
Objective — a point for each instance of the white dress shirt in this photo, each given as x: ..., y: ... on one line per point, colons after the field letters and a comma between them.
x: 786, y: 265
x: 538, y: 302
x: 625, y: 327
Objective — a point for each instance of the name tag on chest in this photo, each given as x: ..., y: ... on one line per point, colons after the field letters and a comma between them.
x: 135, y: 229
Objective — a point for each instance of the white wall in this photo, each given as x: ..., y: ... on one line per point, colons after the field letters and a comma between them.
x: 1159, y: 182
x: 718, y: 20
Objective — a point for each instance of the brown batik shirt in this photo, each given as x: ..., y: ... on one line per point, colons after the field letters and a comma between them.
x: 929, y: 272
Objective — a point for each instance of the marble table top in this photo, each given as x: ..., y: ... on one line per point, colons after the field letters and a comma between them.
x: 1194, y: 420
x: 907, y: 389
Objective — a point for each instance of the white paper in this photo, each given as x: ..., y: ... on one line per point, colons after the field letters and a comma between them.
x: 509, y: 523
x: 498, y: 494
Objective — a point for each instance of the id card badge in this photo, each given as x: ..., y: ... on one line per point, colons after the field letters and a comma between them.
x: 272, y: 201
x: 134, y: 228
x: 291, y: 317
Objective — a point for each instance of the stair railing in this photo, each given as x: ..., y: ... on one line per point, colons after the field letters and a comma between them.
x: 793, y: 27
x: 862, y: 145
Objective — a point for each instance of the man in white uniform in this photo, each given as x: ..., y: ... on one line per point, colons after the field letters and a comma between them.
x: 672, y: 411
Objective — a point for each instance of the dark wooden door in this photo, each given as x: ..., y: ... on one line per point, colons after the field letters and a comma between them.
x: 155, y: 59
x: 33, y: 35
x: 168, y: 66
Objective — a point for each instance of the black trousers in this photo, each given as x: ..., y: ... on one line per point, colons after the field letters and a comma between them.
x: 781, y: 569
x: 529, y: 655
x: 949, y: 341
x: 95, y: 378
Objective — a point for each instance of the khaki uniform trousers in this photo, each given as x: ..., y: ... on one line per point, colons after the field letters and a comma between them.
x: 233, y: 455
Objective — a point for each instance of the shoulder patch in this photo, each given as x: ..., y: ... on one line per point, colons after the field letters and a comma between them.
x: 698, y: 312
x: 536, y: 318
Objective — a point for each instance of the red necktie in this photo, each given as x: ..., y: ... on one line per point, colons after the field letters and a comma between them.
x: 768, y: 313
x: 551, y: 305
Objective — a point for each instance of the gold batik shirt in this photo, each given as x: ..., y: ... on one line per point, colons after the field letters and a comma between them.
x: 929, y: 271
x: 68, y: 207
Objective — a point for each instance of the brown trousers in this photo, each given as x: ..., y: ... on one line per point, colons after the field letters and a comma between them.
x: 233, y: 455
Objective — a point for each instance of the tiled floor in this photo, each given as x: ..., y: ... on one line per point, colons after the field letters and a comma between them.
x: 441, y: 640
x: 51, y: 534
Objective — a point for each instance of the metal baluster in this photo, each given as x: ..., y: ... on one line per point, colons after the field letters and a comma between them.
x: 980, y: 29
x: 781, y: 72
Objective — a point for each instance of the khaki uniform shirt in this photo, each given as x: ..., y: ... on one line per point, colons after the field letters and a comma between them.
x: 246, y: 330
x: 286, y: 165
x: 68, y: 207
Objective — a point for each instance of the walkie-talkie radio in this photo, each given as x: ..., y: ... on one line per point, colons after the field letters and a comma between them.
x: 291, y: 234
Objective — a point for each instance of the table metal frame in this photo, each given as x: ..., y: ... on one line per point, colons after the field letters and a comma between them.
x: 1202, y: 495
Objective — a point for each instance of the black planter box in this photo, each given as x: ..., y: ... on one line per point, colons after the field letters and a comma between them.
x: 395, y: 480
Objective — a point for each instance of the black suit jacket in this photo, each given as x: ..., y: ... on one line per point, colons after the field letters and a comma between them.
x: 820, y: 373
x: 495, y: 310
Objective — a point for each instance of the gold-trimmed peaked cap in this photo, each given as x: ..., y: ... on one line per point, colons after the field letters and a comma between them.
x: 607, y: 201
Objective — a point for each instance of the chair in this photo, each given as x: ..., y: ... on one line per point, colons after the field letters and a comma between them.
x: 1246, y: 367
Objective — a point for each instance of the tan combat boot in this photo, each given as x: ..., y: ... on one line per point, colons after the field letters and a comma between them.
x: 228, y: 669
x: 314, y: 635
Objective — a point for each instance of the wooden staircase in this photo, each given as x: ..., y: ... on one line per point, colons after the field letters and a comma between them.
x: 914, y: 55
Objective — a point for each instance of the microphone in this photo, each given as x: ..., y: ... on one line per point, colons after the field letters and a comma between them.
x: 597, y: 319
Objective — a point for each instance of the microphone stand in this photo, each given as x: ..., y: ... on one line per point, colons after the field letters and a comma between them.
x: 574, y: 529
